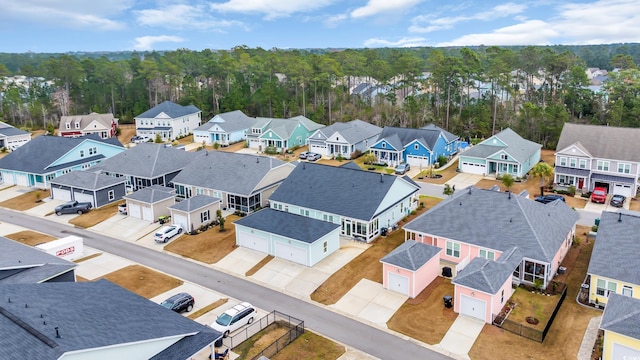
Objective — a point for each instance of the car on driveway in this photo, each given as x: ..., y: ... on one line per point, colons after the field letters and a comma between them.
x: 599, y: 195
x: 313, y: 156
x: 179, y: 302
x: 73, y: 207
x: 402, y: 169
x: 167, y: 232
x: 235, y: 318
x: 303, y: 155
x: 545, y: 199
x: 617, y: 200
x: 122, y: 209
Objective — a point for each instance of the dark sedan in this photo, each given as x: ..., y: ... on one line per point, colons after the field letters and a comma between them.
x: 545, y: 199
x: 617, y: 200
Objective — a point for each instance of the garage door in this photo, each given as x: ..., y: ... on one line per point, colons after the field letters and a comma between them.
x: 398, y: 283
x: 22, y: 180
x: 253, y: 242
x: 471, y: 168
x: 473, y: 307
x: 134, y: 210
x: 291, y: 253
x: 619, y: 351
x: 417, y: 161
x: 622, y: 189
x: 61, y: 194
x: 147, y: 213
x: 84, y: 197
x: 180, y: 220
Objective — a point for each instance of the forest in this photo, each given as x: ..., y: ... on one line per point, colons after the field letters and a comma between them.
x: 470, y: 91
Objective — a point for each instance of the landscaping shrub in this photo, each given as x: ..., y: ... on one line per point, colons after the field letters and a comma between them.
x: 356, y: 154
x: 271, y: 150
x: 339, y: 157
x: 442, y: 160
x: 572, y: 190
x: 594, y: 228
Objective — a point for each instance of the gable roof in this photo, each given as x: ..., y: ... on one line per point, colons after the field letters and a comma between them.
x: 499, y: 221
x: 338, y: 190
x: 87, y: 180
x: 617, y: 231
x: 285, y: 127
x: 292, y: 226
x: 605, y: 142
x: 84, y: 120
x: 22, y: 264
x: 172, y: 109
x: 38, y: 154
x: 353, y: 131
x: 488, y: 275
x: 8, y: 130
x: 447, y: 135
x: 229, y: 172
x: 401, y: 137
x: 123, y: 317
x: 622, y: 315
x: 229, y: 122
x: 517, y: 147
x: 411, y: 255
x: 194, y: 203
x: 152, y: 194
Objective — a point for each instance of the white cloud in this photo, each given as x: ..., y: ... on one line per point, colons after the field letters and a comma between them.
x: 379, y: 7
x: 534, y: 32
x: 404, y: 42
x: 182, y: 16
x: 431, y: 23
x: 272, y: 9
x: 335, y: 20
x: 146, y: 42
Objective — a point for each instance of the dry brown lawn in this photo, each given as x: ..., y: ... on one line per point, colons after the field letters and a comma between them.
x: 126, y: 132
x: 29, y: 237
x: 89, y: 257
x: 535, y: 305
x: 425, y: 318
x: 96, y: 216
x: 634, y: 204
x: 233, y: 147
x: 259, y: 265
x: 216, y: 304
x: 209, y: 246
x: 26, y: 201
x: 258, y: 342
x: 185, y: 140
x: 447, y: 174
x: 311, y: 346
x: 565, y: 335
x: 142, y: 280
x: 366, y: 265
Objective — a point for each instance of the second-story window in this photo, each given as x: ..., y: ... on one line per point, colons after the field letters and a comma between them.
x: 572, y: 162
x: 603, y: 165
x: 582, y: 164
x: 624, y: 168
x: 563, y: 161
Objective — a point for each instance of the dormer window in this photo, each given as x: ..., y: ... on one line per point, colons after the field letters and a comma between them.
x: 67, y: 126
x: 503, y: 157
x: 77, y: 125
x: 384, y: 145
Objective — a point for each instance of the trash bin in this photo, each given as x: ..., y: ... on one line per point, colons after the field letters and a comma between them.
x: 448, y: 301
x: 562, y: 270
x: 383, y: 231
x: 597, y: 221
x: 446, y: 271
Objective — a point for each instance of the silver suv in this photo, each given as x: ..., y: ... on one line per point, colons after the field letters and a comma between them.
x: 402, y: 168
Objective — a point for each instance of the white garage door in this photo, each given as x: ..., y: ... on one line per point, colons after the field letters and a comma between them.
x: 61, y: 194
x: 473, y: 307
x: 134, y: 210
x: 180, y: 220
x: 253, y: 242
x: 622, y: 189
x: 471, y: 168
x: 84, y: 197
x: 22, y: 180
x: 254, y: 144
x: 620, y: 351
x: 417, y: 161
x: 398, y: 283
x: 147, y: 213
x: 291, y: 253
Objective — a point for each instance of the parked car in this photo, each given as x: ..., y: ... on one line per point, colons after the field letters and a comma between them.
x: 139, y: 139
x: 235, y: 318
x: 617, y: 200
x: 402, y: 168
x: 303, y: 155
x: 122, y: 209
x: 179, y: 302
x: 545, y: 199
x: 167, y: 232
x: 599, y: 195
x: 313, y: 156
x: 73, y: 207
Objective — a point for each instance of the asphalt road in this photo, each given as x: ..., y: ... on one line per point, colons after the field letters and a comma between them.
x: 353, y: 333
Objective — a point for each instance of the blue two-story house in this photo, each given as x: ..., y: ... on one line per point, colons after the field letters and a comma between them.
x: 417, y: 147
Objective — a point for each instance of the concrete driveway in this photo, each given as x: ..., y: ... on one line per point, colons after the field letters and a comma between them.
x: 239, y: 261
x: 370, y: 302
x: 599, y: 208
x: 203, y: 296
x: 9, y: 191
x: 100, y: 265
x: 125, y: 227
x: 462, y: 181
x: 461, y: 335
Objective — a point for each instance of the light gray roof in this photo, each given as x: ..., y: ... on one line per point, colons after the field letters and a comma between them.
x: 229, y: 122
x: 499, y: 221
x: 22, y: 264
x: 84, y: 120
x: 292, y: 226
x: 517, y: 147
x: 399, y: 137
x: 353, y: 131
x: 488, y: 275
x: 194, y: 203
x: 8, y: 130
x: 88, y: 315
x: 152, y: 194
x: 148, y: 160
x: 339, y: 190
x: 172, y: 109
x: 411, y: 255
x: 602, y: 141
x: 447, y: 135
x: 615, y: 252
x: 87, y: 180
x: 622, y: 316
x: 229, y: 172
x: 285, y: 127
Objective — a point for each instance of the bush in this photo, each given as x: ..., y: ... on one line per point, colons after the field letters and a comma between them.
x: 216, y: 145
x: 339, y: 157
x: 271, y: 150
x: 356, y: 154
x: 562, y: 192
x: 594, y: 228
x: 442, y: 160
x: 586, y: 195
x: 572, y: 190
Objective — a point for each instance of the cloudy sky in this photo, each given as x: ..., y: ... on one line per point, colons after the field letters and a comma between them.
x: 110, y: 25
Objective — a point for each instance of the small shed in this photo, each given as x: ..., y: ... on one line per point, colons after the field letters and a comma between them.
x: 194, y: 212
x: 151, y: 202
x: 410, y: 267
x: 85, y: 186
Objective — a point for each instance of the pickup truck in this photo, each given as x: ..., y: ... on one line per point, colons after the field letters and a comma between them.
x: 73, y: 207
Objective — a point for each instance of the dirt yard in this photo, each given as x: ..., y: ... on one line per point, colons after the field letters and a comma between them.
x: 26, y: 201
x: 29, y: 237
x: 209, y: 246
x: 126, y: 132
x: 96, y: 216
x: 143, y: 281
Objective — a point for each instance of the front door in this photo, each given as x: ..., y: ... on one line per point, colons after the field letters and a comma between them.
x: 346, y: 224
x: 580, y: 183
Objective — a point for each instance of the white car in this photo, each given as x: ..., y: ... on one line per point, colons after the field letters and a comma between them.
x: 167, y: 232
x: 234, y: 318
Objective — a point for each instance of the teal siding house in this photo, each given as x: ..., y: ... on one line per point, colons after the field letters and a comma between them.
x: 280, y: 134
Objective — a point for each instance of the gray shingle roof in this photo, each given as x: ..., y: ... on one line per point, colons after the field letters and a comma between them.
x: 20, y: 264
x: 172, y: 109
x: 229, y: 172
x: 487, y: 275
x: 194, y: 203
x: 622, y: 316
x: 615, y: 252
x: 602, y: 141
x: 229, y: 121
x: 353, y: 131
x: 88, y: 315
x: 8, y: 130
x: 38, y: 154
x: 411, y: 255
x: 292, y: 226
x: 497, y: 221
x: 285, y: 127
x: 400, y: 137
x: 517, y: 147
x: 152, y: 194
x: 85, y: 120
x: 338, y: 190
x: 87, y: 180
x: 447, y: 135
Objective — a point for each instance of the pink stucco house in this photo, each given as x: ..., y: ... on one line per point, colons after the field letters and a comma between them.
x: 410, y: 268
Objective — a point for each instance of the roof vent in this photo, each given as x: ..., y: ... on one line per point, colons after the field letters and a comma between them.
x: 381, y: 177
x: 9, y: 300
x: 510, y: 219
x: 26, y: 305
x: 257, y: 160
x: 619, y: 217
x: 57, y: 332
x: 460, y: 203
x: 469, y: 190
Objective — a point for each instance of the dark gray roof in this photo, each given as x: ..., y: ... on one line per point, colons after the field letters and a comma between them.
x: 229, y: 172
x: 615, y: 178
x: 615, y: 252
x: 152, y: 194
x: 488, y: 275
x: 351, y: 165
x: 400, y: 137
x: 194, y: 203
x: 499, y: 221
x: 37, y: 155
x: 353, y: 131
x: 8, y: 130
x: 622, y: 316
x: 20, y: 264
x: 88, y: 315
x: 229, y: 122
x: 411, y: 255
x: 148, y: 160
x: 516, y: 146
x: 339, y: 190
x: 292, y: 226
x: 602, y: 142
x: 571, y: 171
x: 172, y: 109
x: 87, y: 180
x: 447, y: 135
x: 285, y: 127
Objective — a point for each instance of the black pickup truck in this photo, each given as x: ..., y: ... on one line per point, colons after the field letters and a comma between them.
x: 73, y: 207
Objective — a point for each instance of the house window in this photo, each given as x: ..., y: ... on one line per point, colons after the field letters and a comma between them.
x: 627, y: 291
x: 111, y: 194
x: 415, y: 147
x: 563, y: 161
x: 77, y: 125
x: 453, y: 249
x: 604, y: 288
x: 603, y: 165
x: 81, y: 153
x: 515, y: 169
x: 624, y: 168
x: 384, y: 145
x: 279, y: 206
x: 562, y: 179
x: 325, y: 247
x: 503, y: 156
x: 67, y: 126
x: 205, y: 216
x: 93, y: 151
x: 582, y: 164
x: 487, y: 254
x: 328, y: 218
x: 572, y: 162
x: 85, y: 166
